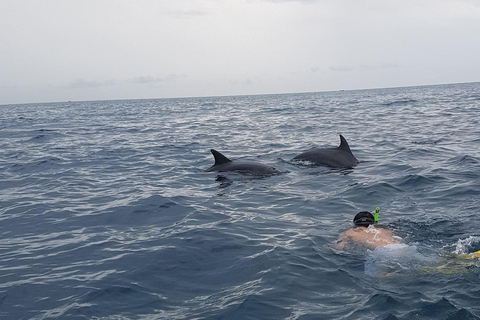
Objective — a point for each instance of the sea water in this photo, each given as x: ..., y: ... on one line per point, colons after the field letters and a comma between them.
x: 106, y: 211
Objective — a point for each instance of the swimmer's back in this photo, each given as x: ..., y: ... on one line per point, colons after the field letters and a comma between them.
x: 370, y: 237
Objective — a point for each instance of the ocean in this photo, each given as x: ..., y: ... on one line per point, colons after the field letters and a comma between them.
x: 107, y: 211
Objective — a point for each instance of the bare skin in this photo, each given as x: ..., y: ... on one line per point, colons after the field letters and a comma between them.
x: 369, y: 238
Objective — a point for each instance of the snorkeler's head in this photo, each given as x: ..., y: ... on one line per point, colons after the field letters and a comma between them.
x: 363, y: 219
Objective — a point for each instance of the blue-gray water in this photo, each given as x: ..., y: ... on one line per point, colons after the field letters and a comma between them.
x: 106, y: 211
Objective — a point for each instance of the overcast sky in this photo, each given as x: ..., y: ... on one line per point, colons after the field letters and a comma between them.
x: 60, y: 50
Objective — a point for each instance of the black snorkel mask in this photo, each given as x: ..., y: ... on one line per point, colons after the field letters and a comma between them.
x: 363, y: 219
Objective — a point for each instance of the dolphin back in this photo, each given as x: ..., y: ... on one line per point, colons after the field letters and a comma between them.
x: 340, y: 157
x: 223, y: 164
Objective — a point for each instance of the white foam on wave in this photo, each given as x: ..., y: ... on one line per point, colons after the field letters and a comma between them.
x: 464, y: 245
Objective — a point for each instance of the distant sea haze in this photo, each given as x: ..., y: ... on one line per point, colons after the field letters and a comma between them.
x: 107, y: 211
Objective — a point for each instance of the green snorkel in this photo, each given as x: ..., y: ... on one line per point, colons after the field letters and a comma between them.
x: 377, y: 211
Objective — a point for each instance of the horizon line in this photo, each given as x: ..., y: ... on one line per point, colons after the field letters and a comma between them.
x: 238, y: 95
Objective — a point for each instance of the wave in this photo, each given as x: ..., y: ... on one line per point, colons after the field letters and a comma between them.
x: 399, y: 102
x: 156, y: 211
x: 463, y: 160
x: 418, y: 181
x: 429, y: 141
x: 467, y: 245
x: 441, y: 309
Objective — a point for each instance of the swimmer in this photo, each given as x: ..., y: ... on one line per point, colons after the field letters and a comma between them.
x: 365, y: 234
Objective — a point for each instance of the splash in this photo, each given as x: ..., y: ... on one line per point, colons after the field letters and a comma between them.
x: 465, y: 245
x: 371, y: 229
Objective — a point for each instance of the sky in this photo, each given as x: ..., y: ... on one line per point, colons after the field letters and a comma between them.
x: 82, y: 50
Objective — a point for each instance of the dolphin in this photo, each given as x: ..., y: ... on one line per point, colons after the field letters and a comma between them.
x: 340, y: 157
x: 223, y: 164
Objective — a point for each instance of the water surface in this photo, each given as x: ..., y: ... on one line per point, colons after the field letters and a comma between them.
x: 106, y: 211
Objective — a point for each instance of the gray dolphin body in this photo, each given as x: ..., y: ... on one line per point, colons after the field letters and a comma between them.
x: 223, y: 164
x: 340, y: 157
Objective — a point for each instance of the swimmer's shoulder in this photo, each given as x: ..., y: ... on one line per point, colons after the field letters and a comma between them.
x: 350, y: 234
x: 355, y: 230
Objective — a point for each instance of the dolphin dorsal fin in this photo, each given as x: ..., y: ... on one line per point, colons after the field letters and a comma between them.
x: 219, y: 158
x: 344, y: 145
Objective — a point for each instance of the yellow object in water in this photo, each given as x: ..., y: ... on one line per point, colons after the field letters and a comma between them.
x: 469, y: 256
x: 460, y: 265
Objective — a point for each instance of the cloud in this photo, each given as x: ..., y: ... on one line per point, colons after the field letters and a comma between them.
x: 146, y: 79
x: 341, y: 68
x: 172, y: 77
x: 81, y: 84
x: 141, y: 80
x: 364, y: 67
